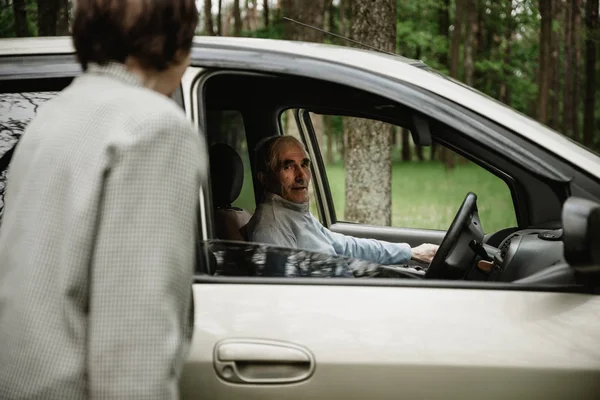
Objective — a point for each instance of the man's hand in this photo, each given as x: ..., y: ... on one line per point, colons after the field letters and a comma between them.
x: 424, y: 253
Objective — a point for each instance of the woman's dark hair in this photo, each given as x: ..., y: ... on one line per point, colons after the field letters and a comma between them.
x: 154, y: 32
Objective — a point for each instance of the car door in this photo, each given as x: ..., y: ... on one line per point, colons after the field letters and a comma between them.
x: 296, y: 337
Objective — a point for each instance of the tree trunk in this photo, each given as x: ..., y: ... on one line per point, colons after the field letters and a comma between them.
x: 447, y: 156
x: 47, y: 17
x: 20, y: 11
x: 266, y: 13
x: 469, y: 45
x: 341, y: 141
x: 568, y: 62
x: 220, y: 19
x: 254, y: 16
x: 504, y: 92
x: 405, y: 145
x: 456, y: 39
x: 246, y: 20
x: 208, y: 21
x: 368, y: 157
x: 480, y: 53
x: 545, y: 72
x: 554, y: 118
x: 444, y: 31
x: 296, y: 9
x: 576, y: 43
x: 313, y: 15
x: 227, y: 15
x: 331, y: 26
x: 591, y: 24
x: 237, y: 19
x: 62, y: 26
x: 328, y: 121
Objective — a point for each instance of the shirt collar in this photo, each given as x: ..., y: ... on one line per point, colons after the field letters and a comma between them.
x: 300, y: 207
x: 115, y: 70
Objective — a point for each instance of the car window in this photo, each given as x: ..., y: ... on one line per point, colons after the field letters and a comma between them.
x: 426, y: 193
x: 16, y: 111
x: 227, y: 258
x: 228, y: 127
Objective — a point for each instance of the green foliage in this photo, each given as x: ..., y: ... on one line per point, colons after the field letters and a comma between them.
x: 440, y: 194
x: 7, y: 22
x: 7, y: 19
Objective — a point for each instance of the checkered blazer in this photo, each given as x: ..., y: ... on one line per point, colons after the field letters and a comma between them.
x: 97, y: 244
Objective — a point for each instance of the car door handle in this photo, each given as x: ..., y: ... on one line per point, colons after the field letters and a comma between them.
x: 262, y: 361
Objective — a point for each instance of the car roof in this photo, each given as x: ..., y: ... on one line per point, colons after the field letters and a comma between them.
x: 395, y: 67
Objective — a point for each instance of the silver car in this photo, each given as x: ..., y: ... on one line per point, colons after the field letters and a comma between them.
x: 273, y: 323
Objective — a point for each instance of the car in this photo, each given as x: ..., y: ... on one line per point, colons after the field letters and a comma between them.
x: 274, y: 322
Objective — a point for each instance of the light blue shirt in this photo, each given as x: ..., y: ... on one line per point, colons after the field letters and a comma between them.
x: 286, y: 224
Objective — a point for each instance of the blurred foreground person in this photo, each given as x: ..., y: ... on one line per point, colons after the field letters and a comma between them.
x: 98, y: 238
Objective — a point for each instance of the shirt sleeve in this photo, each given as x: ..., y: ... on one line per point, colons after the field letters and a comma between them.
x: 377, y: 251
x: 143, y: 262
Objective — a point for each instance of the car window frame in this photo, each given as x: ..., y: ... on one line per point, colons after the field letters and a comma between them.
x: 231, y: 59
x: 323, y: 190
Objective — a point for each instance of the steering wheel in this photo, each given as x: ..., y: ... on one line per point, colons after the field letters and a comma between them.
x: 439, y: 268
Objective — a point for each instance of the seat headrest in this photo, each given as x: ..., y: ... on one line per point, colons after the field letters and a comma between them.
x: 226, y: 174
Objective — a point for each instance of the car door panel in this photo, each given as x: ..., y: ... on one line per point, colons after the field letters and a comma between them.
x: 395, y: 342
x: 412, y: 236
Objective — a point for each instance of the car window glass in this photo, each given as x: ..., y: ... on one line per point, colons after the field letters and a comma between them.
x: 230, y: 130
x: 227, y: 258
x: 16, y: 111
x: 425, y: 193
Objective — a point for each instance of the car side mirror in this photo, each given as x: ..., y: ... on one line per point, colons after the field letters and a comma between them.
x: 581, y: 234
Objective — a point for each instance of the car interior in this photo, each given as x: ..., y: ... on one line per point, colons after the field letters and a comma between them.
x: 531, y: 252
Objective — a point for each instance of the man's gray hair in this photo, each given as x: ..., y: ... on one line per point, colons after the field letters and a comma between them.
x: 267, y: 150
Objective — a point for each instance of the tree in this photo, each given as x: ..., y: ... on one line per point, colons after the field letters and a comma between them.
x: 554, y: 118
x: 576, y: 43
x: 504, y: 92
x: 237, y: 18
x: 368, y: 152
x: 313, y: 15
x: 266, y: 13
x: 443, y: 25
x: 456, y: 40
x: 208, y: 22
x: 62, y: 23
x: 47, y: 17
x: 20, y: 12
x: 545, y: 61
x: 220, y: 19
x: 592, y: 36
x: 447, y: 156
x: 470, y: 40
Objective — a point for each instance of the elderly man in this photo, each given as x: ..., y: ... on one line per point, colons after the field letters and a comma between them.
x: 283, y: 217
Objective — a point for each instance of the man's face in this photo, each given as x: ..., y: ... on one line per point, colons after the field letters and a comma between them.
x: 293, y: 173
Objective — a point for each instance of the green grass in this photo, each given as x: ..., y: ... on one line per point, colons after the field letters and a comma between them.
x: 425, y: 195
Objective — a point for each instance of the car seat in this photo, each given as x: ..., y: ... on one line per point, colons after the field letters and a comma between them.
x: 227, y: 178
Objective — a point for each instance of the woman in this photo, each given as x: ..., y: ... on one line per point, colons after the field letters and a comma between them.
x: 97, y: 243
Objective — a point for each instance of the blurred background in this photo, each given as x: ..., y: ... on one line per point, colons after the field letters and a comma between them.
x: 539, y: 57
